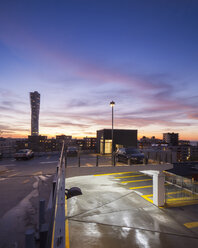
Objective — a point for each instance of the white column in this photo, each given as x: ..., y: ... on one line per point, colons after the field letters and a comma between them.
x: 158, y: 189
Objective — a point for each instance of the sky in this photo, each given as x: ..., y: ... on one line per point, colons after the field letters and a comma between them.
x: 82, y: 54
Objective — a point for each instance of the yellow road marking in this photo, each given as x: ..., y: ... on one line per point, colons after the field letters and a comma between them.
x: 169, y: 193
x: 66, y: 227
x: 26, y: 181
x: 191, y: 224
x: 175, y: 192
x: 146, y: 198
x: 141, y: 187
x: 118, y: 173
x: 52, y: 244
x: 148, y: 195
x: 131, y: 176
x: 142, y: 180
x: 180, y: 203
x: 182, y: 198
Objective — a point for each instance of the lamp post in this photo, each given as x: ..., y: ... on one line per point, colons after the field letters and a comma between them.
x: 112, y: 103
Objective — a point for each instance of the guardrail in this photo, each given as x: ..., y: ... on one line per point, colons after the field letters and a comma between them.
x: 56, y: 233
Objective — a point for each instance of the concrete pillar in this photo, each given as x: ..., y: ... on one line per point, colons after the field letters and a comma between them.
x: 158, y: 189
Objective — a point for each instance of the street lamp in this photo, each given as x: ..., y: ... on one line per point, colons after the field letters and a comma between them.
x: 112, y: 103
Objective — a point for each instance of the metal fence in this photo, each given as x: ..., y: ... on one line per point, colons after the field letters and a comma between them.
x: 180, y: 188
x: 56, y: 233
x: 160, y: 156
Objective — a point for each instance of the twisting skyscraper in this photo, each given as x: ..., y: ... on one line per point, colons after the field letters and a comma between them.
x: 35, y: 107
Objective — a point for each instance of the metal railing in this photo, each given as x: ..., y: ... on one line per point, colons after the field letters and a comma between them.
x: 56, y: 234
x: 180, y: 188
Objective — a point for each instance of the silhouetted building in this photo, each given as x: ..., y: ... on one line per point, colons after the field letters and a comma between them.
x: 121, y: 138
x: 37, y: 143
x: 35, y: 107
x: 171, y: 138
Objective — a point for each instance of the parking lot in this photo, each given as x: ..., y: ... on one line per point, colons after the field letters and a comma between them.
x: 116, y: 210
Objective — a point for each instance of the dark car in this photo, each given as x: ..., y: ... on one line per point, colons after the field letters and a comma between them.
x: 24, y: 154
x: 130, y: 156
x: 1, y: 155
x: 72, y: 151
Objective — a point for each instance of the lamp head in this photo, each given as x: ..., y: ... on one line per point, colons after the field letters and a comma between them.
x: 112, y: 103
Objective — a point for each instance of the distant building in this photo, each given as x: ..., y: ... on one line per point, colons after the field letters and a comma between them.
x: 145, y: 143
x: 171, y: 138
x: 37, y: 143
x: 89, y: 143
x: 35, y: 107
x: 7, y: 146
x: 121, y: 138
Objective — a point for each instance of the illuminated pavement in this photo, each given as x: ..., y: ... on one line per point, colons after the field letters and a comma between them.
x: 110, y: 214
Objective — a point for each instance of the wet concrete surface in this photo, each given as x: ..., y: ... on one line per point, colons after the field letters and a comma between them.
x: 22, y: 184
x: 109, y: 214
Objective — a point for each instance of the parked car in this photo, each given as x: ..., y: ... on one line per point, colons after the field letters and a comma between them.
x: 24, y: 154
x: 72, y: 151
x: 130, y: 156
x: 1, y: 155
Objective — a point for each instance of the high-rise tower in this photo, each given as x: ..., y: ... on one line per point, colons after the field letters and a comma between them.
x: 35, y: 107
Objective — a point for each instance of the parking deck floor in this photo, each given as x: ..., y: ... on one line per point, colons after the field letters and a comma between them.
x: 116, y: 210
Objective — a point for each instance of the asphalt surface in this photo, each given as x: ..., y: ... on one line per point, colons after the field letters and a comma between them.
x: 22, y: 184
x: 110, y: 214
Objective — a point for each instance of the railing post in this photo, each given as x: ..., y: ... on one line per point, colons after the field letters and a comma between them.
x: 129, y: 161
x: 65, y: 158
x: 43, y: 235
x: 41, y: 213
x: 78, y: 160
x: 29, y: 239
x: 159, y: 158
x: 54, y: 186
x: 97, y: 161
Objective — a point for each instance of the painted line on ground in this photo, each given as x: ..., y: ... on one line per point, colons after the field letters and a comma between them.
x: 147, y: 198
x: 148, y: 195
x: 175, y: 192
x: 141, y: 187
x: 182, y: 198
x: 136, y: 181
x: 53, y: 232
x: 191, y: 224
x: 132, y: 176
x: 180, y: 203
x: 66, y: 227
x: 169, y: 193
x: 117, y: 173
x: 48, y: 162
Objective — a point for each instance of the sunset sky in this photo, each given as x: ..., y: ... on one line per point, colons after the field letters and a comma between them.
x: 82, y: 54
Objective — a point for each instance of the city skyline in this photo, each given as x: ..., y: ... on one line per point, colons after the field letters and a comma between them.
x: 80, y: 55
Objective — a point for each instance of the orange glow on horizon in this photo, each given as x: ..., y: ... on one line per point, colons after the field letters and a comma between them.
x: 80, y: 136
